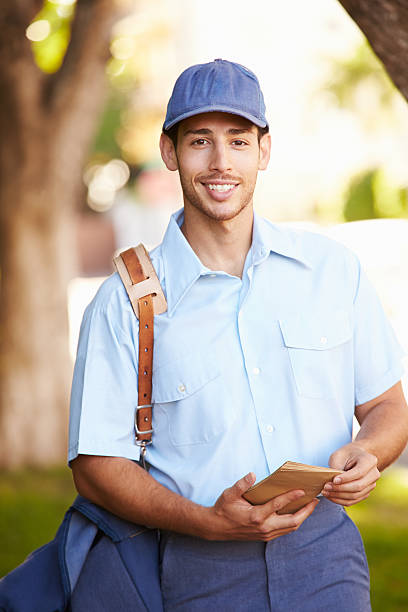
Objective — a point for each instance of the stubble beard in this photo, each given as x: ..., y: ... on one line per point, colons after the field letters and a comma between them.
x: 212, y: 212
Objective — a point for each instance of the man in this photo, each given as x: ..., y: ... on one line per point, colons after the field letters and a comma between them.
x: 272, y: 340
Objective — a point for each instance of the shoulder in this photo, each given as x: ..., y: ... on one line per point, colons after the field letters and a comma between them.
x: 327, y: 261
x: 110, y: 312
x: 112, y: 292
x: 110, y: 295
x: 112, y: 301
x: 318, y: 248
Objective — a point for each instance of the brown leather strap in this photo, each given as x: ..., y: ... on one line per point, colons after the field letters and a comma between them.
x: 143, y: 417
x: 133, y: 265
x: 145, y: 281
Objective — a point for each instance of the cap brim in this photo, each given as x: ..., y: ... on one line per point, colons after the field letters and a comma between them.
x: 213, y: 109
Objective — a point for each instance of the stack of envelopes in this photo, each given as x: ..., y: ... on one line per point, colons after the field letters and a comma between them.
x: 291, y: 475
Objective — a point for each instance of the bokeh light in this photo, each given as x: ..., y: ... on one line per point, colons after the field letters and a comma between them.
x: 103, y: 182
x: 38, y: 30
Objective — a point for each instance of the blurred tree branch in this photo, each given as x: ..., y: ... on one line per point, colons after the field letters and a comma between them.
x: 88, y: 49
x: 47, y: 123
x: 385, y: 24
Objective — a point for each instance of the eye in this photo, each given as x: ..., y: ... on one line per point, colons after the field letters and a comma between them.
x: 200, y: 141
x: 239, y: 143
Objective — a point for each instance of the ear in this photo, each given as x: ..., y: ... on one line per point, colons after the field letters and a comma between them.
x: 264, y: 151
x: 168, y: 152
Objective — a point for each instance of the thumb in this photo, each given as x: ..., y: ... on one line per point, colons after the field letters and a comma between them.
x: 338, y: 460
x: 243, y: 484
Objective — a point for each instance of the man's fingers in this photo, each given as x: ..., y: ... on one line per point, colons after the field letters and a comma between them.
x: 356, y: 473
x: 279, y: 502
x: 306, y: 511
x: 241, y: 486
x: 348, y: 502
x: 293, y: 521
x: 351, y: 487
x: 258, y: 522
x: 289, y: 522
x: 276, y: 533
x: 362, y: 466
x: 355, y: 484
x: 345, y: 495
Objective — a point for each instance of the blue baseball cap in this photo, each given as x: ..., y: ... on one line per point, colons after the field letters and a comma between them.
x: 217, y: 86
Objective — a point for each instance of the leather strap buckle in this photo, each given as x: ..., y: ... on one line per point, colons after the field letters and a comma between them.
x: 142, y: 432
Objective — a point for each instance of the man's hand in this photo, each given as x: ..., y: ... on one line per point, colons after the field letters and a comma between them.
x: 359, y: 479
x: 233, y: 518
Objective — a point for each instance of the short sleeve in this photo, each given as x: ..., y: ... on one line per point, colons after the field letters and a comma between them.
x: 377, y: 353
x: 104, y: 387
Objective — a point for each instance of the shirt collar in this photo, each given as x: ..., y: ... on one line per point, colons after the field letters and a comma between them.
x: 269, y: 238
x: 182, y: 267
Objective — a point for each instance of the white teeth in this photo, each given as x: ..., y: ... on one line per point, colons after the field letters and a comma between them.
x: 220, y: 187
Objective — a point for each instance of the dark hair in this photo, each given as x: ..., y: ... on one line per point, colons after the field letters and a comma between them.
x: 172, y: 133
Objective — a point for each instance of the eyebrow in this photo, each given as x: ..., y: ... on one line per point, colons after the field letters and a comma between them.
x: 206, y: 131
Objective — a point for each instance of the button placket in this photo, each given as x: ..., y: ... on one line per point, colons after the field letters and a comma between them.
x: 262, y: 413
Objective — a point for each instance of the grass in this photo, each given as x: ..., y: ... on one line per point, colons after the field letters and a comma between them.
x: 33, y: 503
x: 383, y: 523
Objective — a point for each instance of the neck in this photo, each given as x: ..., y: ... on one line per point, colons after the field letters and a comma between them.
x: 220, y: 245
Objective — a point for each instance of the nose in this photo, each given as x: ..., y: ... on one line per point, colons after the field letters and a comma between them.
x: 220, y: 161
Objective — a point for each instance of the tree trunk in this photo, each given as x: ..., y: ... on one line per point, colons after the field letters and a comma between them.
x: 385, y: 24
x: 46, y: 125
x: 37, y: 263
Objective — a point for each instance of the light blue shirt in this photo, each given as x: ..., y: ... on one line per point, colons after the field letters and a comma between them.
x: 247, y: 373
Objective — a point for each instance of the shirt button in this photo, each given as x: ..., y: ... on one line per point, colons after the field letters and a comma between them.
x: 323, y: 340
x: 256, y: 371
x: 270, y: 428
x: 181, y: 388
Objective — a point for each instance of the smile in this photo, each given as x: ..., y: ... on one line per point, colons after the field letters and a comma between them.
x: 225, y: 187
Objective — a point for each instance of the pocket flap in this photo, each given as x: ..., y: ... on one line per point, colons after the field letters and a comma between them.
x: 182, y: 377
x: 317, y: 332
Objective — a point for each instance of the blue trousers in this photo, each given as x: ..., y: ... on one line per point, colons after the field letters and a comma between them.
x: 321, y: 566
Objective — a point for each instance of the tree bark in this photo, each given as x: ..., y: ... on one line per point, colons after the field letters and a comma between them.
x: 385, y: 24
x: 46, y: 123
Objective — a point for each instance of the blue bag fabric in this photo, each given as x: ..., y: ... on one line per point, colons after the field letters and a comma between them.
x: 96, y: 562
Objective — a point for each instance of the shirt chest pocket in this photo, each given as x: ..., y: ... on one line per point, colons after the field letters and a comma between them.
x: 320, y: 352
x: 186, y: 393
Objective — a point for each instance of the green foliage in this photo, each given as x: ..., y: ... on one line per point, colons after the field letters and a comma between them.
x: 105, y: 142
x: 361, y: 68
x: 34, y: 502
x: 360, y: 198
x: 360, y: 86
x: 371, y: 195
x: 389, y: 199
x: 49, y: 53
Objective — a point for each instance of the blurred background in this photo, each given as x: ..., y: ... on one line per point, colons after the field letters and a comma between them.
x: 83, y: 94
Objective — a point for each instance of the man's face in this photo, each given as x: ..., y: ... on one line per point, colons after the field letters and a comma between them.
x: 218, y: 157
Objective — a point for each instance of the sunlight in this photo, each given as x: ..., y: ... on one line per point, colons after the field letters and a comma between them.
x: 38, y: 30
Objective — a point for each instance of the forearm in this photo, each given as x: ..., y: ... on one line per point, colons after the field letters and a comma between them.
x: 384, y: 430
x: 125, y: 489
x: 382, y: 437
